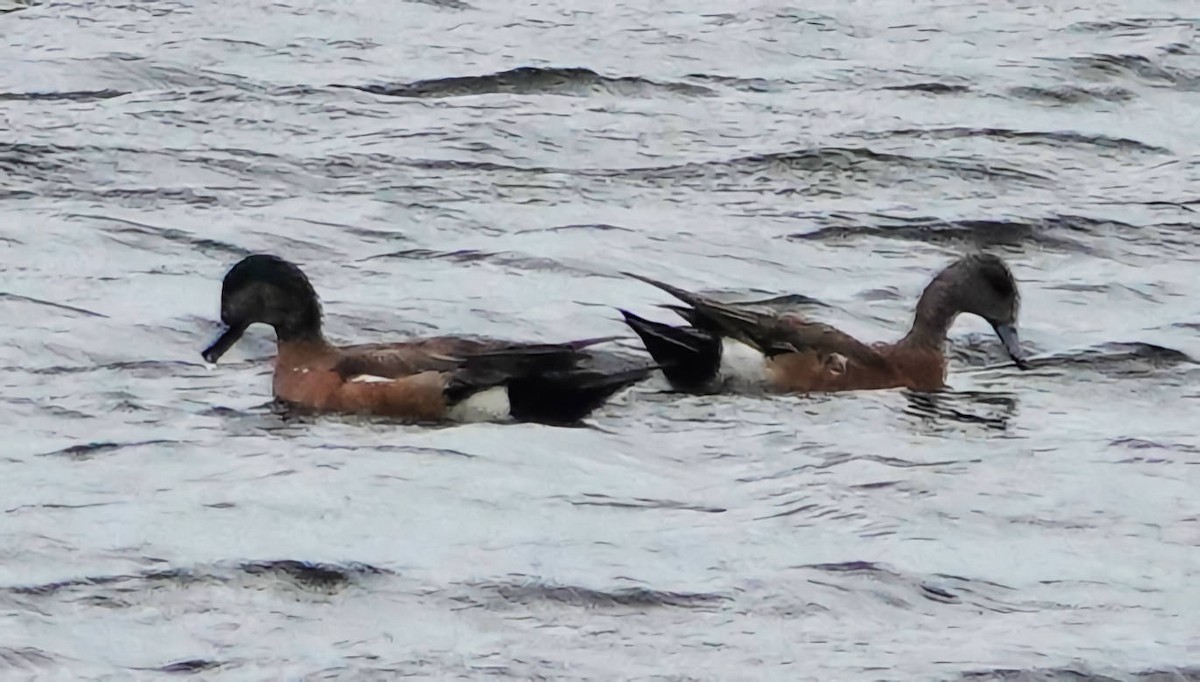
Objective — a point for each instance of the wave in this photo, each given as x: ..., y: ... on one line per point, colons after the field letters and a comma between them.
x: 535, y: 590
x: 309, y: 576
x: 1050, y: 138
x: 1119, y: 359
x: 532, y: 80
x: 1072, y: 94
x: 1134, y: 67
x: 70, y: 96
x: 1063, y: 232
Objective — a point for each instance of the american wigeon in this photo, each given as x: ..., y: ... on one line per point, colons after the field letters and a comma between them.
x: 727, y: 347
x: 430, y: 379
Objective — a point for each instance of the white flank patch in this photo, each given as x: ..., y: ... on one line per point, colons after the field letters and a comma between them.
x: 370, y: 379
x: 837, y: 363
x: 488, y: 405
x: 742, y: 365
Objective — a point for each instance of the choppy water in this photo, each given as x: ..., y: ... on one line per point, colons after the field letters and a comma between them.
x: 488, y: 167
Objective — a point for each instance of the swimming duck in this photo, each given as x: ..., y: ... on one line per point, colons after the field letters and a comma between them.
x: 431, y: 379
x: 727, y: 347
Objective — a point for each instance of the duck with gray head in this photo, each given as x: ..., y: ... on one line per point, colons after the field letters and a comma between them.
x: 431, y: 379
x: 727, y: 347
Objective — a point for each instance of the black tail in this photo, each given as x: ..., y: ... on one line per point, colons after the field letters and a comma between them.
x: 566, y: 397
x: 690, y: 358
x: 544, y: 382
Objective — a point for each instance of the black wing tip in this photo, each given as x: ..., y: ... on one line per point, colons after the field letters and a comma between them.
x: 630, y: 317
x: 688, y: 313
x: 646, y: 328
x: 675, y: 291
x: 580, y: 344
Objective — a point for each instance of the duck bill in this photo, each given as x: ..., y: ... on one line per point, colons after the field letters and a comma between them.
x: 224, y: 342
x: 1007, y: 332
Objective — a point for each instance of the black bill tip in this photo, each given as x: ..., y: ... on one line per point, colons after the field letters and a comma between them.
x: 223, y: 343
x: 1007, y: 331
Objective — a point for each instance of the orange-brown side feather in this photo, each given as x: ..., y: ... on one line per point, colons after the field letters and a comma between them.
x: 308, y: 375
x: 420, y: 396
x: 826, y: 341
x: 920, y: 369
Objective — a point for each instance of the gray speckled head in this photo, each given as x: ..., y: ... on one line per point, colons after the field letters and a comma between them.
x: 980, y: 284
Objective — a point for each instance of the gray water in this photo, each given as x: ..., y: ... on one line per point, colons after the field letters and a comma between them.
x: 490, y: 167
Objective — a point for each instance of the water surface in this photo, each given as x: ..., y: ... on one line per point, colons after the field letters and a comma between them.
x: 487, y: 167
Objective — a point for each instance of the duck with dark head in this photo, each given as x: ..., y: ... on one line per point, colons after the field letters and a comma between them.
x: 430, y: 379
x: 727, y: 347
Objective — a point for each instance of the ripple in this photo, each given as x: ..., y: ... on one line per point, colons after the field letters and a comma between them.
x: 898, y: 589
x: 306, y: 576
x: 1072, y: 94
x: 598, y: 500
x: 157, y: 237
x: 1133, y: 25
x: 326, y: 578
x: 1081, y: 673
x: 1067, y: 233
x: 87, y: 451
x: 27, y: 659
x: 530, y: 80
x: 932, y: 88
x: 509, y: 259
x: 1134, y: 67
x: 743, y: 84
x: 842, y: 160
x: 993, y: 411
x: 148, y: 368
x: 187, y: 667
x: 534, y: 590
x: 444, y: 4
x: 1049, y: 138
x: 5, y: 296
x: 69, y: 96
x: 1119, y: 359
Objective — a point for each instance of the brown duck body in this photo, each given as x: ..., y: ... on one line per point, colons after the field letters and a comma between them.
x: 727, y: 347
x: 906, y: 363
x: 313, y: 374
